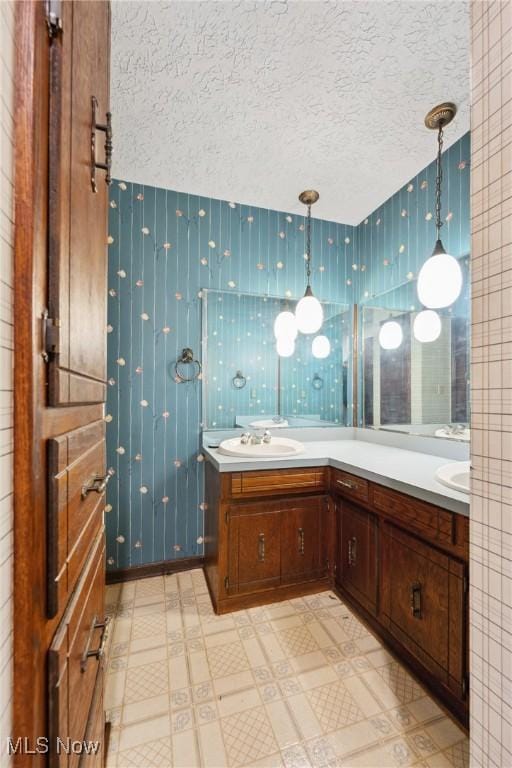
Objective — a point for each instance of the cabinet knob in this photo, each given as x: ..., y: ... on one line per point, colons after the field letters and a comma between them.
x: 261, y: 547
x: 301, y: 541
x: 416, y: 600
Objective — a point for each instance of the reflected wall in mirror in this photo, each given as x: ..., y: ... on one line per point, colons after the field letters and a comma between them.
x: 247, y: 384
x: 412, y: 384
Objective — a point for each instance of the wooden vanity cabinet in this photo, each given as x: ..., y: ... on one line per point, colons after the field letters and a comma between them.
x: 264, y: 535
x: 399, y: 562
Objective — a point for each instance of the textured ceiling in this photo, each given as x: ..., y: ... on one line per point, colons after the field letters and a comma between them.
x: 255, y: 101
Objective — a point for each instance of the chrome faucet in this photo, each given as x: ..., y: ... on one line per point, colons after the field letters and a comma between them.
x: 251, y: 438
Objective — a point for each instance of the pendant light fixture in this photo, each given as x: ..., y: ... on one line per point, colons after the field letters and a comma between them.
x: 309, y: 312
x: 390, y: 335
x: 440, y: 277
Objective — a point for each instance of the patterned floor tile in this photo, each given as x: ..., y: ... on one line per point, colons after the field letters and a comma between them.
x: 248, y: 736
x: 310, y: 658
x: 334, y: 706
x: 155, y: 754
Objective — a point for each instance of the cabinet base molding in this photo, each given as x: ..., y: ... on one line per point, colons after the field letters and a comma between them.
x: 160, y: 568
x: 450, y: 703
x: 268, y: 596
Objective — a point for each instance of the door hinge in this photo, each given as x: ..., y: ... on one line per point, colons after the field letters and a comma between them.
x: 53, y: 17
x: 226, y: 516
x: 226, y: 583
x: 465, y: 585
x: 465, y: 685
x: 50, y: 336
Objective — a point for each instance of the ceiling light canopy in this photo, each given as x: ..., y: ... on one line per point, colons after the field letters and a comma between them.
x: 440, y: 277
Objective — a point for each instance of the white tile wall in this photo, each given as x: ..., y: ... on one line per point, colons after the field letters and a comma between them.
x: 491, y: 376
x: 6, y: 362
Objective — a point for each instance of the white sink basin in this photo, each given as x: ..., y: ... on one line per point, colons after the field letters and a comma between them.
x: 268, y: 424
x: 278, y: 447
x: 455, y: 475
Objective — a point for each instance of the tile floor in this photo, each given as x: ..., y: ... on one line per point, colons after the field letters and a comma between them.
x: 294, y: 684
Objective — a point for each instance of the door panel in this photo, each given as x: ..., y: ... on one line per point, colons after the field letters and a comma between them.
x: 357, y: 557
x: 77, y: 214
x: 419, y: 599
x: 74, y: 516
x: 258, y: 537
x: 301, y: 531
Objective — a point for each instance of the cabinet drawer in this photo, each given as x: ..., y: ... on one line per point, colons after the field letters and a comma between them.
x: 75, y: 658
x: 425, y: 519
x: 74, y: 520
x: 277, y: 482
x: 349, y: 485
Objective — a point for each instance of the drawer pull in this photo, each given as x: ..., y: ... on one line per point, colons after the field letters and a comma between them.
x: 301, y: 541
x: 352, y: 551
x: 347, y: 484
x: 97, y: 483
x: 98, y: 652
x: 416, y: 600
x: 261, y: 547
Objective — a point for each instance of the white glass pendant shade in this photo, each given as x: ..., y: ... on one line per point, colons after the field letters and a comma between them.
x: 390, y: 335
x: 427, y: 326
x: 439, y: 279
x: 285, y: 324
x: 321, y: 347
x: 309, y: 313
x: 285, y: 347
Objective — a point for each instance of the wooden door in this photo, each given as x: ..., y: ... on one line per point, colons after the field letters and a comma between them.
x: 78, y: 204
x: 254, y: 547
x: 418, y: 599
x: 301, y: 537
x: 59, y: 465
x: 357, y: 555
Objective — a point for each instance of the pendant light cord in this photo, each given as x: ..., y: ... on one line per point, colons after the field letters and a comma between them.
x: 439, y: 179
x: 308, y: 244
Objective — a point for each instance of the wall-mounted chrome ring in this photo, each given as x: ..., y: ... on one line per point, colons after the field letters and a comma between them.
x: 239, y: 380
x: 187, y: 358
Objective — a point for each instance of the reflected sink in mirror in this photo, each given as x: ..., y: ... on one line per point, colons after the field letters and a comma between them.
x: 276, y: 448
x: 455, y: 475
x: 274, y: 423
x: 457, y: 432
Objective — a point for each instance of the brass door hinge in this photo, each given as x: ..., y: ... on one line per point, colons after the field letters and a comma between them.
x: 53, y: 17
x: 50, y: 336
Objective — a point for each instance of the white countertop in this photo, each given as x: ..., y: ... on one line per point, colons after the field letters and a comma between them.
x: 408, y: 471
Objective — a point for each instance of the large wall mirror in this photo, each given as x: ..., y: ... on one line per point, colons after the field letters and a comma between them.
x: 414, y: 371
x: 247, y: 384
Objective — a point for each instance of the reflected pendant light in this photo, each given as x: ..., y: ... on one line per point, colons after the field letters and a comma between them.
x: 285, y: 324
x: 440, y: 277
x: 285, y: 346
x: 427, y: 326
x: 391, y: 335
x: 321, y: 347
x: 309, y: 313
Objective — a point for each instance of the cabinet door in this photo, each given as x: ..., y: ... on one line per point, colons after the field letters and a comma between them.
x: 301, y: 537
x: 254, y: 547
x: 424, y: 602
x: 79, y: 100
x: 357, y: 555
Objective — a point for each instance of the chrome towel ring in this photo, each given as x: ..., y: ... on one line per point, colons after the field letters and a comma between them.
x: 187, y: 359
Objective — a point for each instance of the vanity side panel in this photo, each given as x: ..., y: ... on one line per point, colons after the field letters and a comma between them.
x: 213, y: 545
